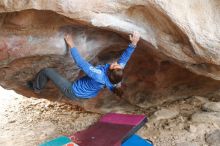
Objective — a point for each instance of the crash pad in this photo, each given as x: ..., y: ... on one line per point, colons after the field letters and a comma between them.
x: 136, y: 140
x: 59, y: 141
x: 111, y: 130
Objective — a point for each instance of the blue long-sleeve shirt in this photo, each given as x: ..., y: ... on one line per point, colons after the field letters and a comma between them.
x: 96, y: 77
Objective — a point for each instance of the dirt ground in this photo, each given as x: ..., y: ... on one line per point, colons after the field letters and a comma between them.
x: 30, y: 121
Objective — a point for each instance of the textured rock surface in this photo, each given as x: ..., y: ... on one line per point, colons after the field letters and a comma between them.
x: 164, y: 114
x: 207, y: 117
x: 178, y: 55
x: 212, y: 106
x: 187, y: 144
x: 213, y: 139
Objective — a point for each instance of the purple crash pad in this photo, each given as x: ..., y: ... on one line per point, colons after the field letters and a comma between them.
x: 123, y: 119
x: 111, y: 130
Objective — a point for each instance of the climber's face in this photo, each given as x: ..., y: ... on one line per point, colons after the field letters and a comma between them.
x: 115, y: 65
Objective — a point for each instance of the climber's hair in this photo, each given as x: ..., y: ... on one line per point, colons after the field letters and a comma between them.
x: 115, y: 75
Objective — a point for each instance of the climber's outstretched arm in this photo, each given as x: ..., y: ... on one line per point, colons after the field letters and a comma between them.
x: 134, y: 38
x: 89, y: 69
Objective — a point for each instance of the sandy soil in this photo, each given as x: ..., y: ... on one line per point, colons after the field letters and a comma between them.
x: 30, y: 121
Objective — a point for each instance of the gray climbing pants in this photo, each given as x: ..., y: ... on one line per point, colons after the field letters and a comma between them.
x: 63, y: 84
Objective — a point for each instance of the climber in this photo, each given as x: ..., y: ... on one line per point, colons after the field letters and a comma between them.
x: 96, y: 78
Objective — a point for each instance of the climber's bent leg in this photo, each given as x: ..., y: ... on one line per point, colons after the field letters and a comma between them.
x: 50, y: 74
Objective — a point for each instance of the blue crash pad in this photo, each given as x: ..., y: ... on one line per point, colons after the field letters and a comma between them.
x: 136, y: 140
x: 59, y: 141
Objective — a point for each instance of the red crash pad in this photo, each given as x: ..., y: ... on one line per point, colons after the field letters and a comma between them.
x: 111, y: 130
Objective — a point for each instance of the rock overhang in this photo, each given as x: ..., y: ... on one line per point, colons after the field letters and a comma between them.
x: 33, y: 39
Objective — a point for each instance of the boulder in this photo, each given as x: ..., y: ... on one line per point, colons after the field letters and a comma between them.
x: 177, y: 56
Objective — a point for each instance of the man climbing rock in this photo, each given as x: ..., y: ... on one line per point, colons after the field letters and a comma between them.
x: 96, y: 78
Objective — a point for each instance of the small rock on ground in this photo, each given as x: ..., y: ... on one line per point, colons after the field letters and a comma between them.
x: 164, y: 114
x: 213, y: 139
x: 187, y: 144
x: 206, y: 117
x: 211, y: 106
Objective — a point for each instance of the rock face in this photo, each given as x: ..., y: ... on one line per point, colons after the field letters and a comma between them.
x: 178, y: 54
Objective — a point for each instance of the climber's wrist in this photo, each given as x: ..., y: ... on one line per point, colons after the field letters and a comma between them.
x: 134, y: 43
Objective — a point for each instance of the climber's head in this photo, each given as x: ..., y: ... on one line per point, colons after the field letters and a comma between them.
x: 115, y: 73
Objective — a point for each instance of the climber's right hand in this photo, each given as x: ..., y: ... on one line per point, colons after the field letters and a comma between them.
x: 134, y: 38
x: 69, y: 40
